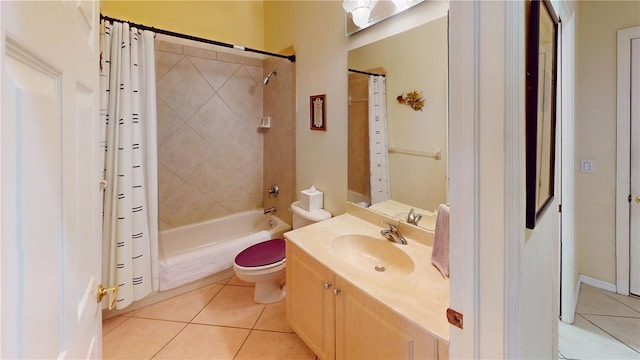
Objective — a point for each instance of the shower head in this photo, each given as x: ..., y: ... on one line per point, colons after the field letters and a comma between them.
x: 266, y: 79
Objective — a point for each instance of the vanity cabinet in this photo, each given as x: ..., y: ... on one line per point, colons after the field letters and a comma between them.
x: 337, y: 320
x: 310, y: 301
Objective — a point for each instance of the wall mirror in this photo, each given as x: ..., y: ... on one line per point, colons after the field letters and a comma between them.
x: 398, y: 155
x: 360, y: 14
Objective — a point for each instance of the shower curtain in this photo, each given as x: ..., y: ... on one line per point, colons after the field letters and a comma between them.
x: 128, y: 124
x: 378, y: 142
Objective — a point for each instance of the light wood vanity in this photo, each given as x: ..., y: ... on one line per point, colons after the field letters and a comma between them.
x: 344, y: 312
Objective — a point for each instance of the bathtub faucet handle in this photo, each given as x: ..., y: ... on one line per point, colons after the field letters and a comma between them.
x: 269, y: 210
x: 274, y: 190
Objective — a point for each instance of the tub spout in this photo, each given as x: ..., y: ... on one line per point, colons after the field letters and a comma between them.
x: 269, y: 210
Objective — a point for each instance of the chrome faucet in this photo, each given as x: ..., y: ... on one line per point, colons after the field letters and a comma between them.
x: 393, y: 234
x: 274, y: 190
x: 413, y: 218
x: 269, y: 210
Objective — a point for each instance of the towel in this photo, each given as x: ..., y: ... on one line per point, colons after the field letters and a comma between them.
x: 202, y: 262
x: 440, y: 252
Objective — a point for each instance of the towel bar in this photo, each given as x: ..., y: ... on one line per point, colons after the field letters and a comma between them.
x: 435, y: 155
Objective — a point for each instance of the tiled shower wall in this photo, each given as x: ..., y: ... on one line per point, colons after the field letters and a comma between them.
x: 210, y: 151
x: 280, y: 139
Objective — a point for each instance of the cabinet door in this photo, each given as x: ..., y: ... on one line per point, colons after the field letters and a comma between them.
x: 309, y: 303
x: 365, y: 329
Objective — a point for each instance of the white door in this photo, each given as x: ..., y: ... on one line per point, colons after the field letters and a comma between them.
x: 50, y: 202
x: 634, y: 231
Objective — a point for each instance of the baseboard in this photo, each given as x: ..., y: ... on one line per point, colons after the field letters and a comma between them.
x: 584, y: 279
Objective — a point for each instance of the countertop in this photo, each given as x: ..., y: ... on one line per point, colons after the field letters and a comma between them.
x: 421, y: 297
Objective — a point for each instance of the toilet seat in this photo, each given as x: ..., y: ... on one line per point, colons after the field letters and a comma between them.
x: 266, y: 254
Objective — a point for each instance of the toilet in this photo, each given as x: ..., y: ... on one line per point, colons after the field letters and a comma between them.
x: 264, y: 262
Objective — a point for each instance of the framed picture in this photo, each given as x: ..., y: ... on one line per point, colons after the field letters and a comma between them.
x: 540, y: 127
x: 318, y: 107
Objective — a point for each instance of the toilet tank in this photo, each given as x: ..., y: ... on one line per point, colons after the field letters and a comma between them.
x: 301, y: 217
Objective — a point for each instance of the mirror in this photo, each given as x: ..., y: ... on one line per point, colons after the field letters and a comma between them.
x: 416, y: 138
x: 368, y: 12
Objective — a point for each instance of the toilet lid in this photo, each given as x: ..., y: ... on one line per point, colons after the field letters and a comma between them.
x: 261, y: 254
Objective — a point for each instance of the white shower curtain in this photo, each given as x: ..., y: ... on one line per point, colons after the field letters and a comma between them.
x: 378, y: 142
x: 128, y: 115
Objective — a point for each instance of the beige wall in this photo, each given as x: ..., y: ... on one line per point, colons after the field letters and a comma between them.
x: 316, y: 31
x: 595, y: 132
x: 207, y: 19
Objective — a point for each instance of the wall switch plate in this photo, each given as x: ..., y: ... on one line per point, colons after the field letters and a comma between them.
x: 586, y: 166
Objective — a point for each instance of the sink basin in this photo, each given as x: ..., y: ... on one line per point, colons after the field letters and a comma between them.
x: 376, y: 255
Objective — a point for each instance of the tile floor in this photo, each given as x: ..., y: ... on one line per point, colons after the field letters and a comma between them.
x: 607, y: 326
x: 219, y: 321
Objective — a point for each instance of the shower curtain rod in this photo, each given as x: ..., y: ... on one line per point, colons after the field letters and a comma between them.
x: 366, y: 73
x: 291, y: 58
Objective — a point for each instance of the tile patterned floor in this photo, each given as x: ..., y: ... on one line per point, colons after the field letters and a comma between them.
x: 607, y: 326
x: 219, y: 321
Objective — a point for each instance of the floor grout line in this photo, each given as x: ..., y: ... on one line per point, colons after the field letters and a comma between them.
x: 170, y: 340
x: 611, y: 335
x: 614, y: 316
x: 620, y: 302
x: 276, y: 327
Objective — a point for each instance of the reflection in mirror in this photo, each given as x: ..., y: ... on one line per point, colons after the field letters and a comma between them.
x: 412, y: 144
x: 360, y: 14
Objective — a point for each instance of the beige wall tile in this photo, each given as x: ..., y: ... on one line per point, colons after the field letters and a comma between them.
x: 241, y: 92
x: 168, y: 47
x: 199, y: 52
x: 233, y: 58
x: 184, y: 89
x: 164, y: 62
x: 183, y: 152
x: 215, y: 72
x: 213, y: 165
x: 168, y: 121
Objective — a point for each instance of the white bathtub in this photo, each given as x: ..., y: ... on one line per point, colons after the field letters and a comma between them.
x: 192, y: 252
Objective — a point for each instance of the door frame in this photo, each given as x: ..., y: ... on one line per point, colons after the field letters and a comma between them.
x: 623, y: 145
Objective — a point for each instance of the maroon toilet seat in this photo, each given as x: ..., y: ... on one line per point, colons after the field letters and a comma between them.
x: 261, y: 254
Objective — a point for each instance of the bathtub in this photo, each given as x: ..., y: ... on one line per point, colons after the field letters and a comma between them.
x: 192, y: 252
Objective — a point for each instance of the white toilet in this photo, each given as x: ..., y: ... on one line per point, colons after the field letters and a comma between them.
x: 264, y: 262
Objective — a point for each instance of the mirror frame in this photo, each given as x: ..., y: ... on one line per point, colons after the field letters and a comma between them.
x: 539, y: 12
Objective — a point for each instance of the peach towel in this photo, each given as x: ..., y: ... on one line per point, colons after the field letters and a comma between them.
x: 440, y: 252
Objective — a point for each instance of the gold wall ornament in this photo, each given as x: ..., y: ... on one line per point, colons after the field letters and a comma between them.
x: 414, y: 99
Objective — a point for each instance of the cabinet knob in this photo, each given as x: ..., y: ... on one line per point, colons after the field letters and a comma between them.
x: 336, y: 291
x: 327, y: 285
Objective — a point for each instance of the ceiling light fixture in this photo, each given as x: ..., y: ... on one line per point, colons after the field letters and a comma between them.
x: 360, y: 11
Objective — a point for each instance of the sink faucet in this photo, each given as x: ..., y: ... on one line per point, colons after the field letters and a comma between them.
x: 413, y: 218
x: 393, y: 234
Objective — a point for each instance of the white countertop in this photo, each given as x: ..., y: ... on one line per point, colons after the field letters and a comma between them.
x: 421, y: 297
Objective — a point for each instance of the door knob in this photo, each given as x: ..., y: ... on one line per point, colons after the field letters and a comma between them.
x: 102, y: 292
x: 638, y: 199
